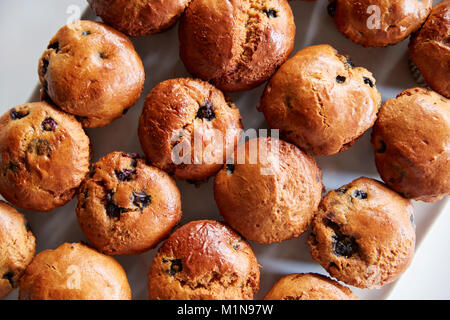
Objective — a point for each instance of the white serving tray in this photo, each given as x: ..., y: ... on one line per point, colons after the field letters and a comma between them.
x: 160, y: 57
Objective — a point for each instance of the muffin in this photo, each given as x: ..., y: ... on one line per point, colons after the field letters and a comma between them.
x: 17, y: 247
x: 204, y: 260
x: 188, y: 127
x: 320, y: 101
x: 429, y: 49
x: 410, y: 139
x: 74, y: 271
x: 308, y: 286
x: 378, y: 23
x: 272, y: 198
x: 364, y: 234
x: 91, y: 71
x: 44, y: 156
x: 127, y: 206
x: 137, y: 17
x: 236, y: 45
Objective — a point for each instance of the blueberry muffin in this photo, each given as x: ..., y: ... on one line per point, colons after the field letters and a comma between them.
x: 364, y: 234
x: 429, y: 49
x: 44, y: 156
x: 308, y: 286
x: 204, y: 260
x: 411, y: 139
x: 127, y: 206
x: 139, y: 17
x: 73, y: 271
x: 188, y: 127
x: 236, y: 45
x: 272, y: 198
x: 378, y: 23
x: 91, y: 71
x: 320, y: 101
x: 17, y: 247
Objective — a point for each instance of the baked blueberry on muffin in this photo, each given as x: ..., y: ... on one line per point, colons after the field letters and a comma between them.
x: 236, y: 45
x: 139, y: 17
x: 364, y: 234
x: 410, y: 139
x: 378, y: 23
x: 188, y: 127
x: 91, y: 71
x: 44, y: 156
x: 17, y: 246
x: 272, y: 198
x: 204, y: 260
x: 308, y: 286
x: 73, y: 271
x: 127, y: 206
x: 320, y: 101
x: 429, y: 49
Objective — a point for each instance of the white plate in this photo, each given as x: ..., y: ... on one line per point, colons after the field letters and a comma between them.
x: 160, y: 56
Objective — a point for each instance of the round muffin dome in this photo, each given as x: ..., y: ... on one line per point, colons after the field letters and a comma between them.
x: 44, y: 156
x: 126, y: 206
x: 139, y: 17
x: 236, y: 45
x: 364, y: 234
x: 272, y: 199
x: 320, y: 101
x: 378, y: 23
x: 308, y: 286
x: 411, y: 139
x: 204, y: 260
x: 73, y: 271
x: 92, y: 71
x: 429, y: 49
x: 180, y: 112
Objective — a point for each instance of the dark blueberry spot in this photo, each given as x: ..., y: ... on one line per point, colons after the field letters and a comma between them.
x: 235, y: 244
x: 49, y: 124
x: 206, y: 112
x: 331, y: 8
x: 342, y: 190
x: 40, y: 147
x: 18, y: 114
x: 381, y: 146
x: 344, y: 246
x: 141, y: 200
x: 103, y: 55
x: 45, y: 64
x: 340, y: 79
x: 359, y: 194
x: 368, y: 81
x: 332, y: 265
x: 54, y: 45
x: 349, y: 62
x: 113, y: 210
x: 271, y: 13
x: 28, y: 226
x: 86, y: 33
x: 9, y: 276
x: 125, y: 111
x: 13, y: 166
x: 175, y: 266
x: 230, y: 168
x: 125, y: 175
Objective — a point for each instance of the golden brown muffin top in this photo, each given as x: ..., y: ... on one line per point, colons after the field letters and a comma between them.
x: 74, y: 271
x: 44, y: 156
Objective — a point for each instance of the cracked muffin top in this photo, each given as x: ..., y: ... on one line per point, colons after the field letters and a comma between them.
x: 308, y: 286
x: 17, y: 247
x: 429, y: 49
x: 73, y: 271
x: 411, y: 139
x: 127, y: 206
x: 44, y: 156
x: 364, y: 234
x: 237, y: 44
x: 139, y: 17
x: 378, y: 23
x: 91, y: 71
x: 179, y: 111
x: 320, y: 101
x: 271, y: 198
x: 204, y: 260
